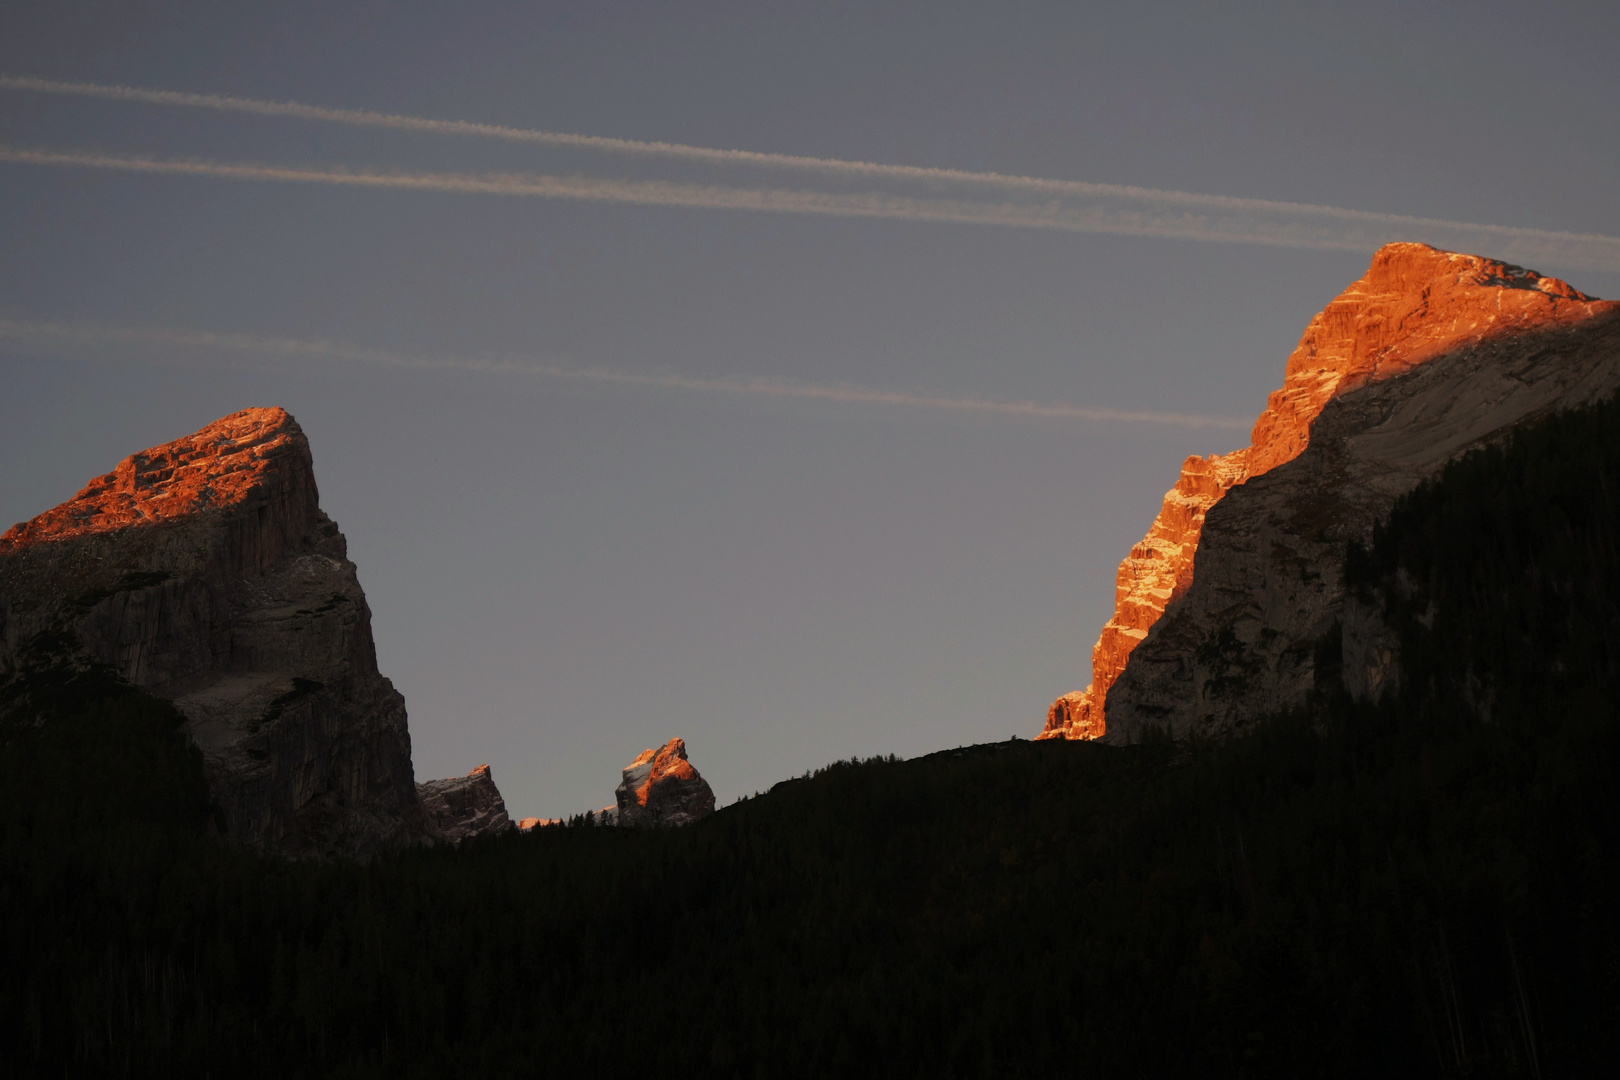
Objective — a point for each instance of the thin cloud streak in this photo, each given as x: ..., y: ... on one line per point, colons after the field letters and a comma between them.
x: 1584, y: 252
x: 1178, y: 214
x: 704, y: 196
x: 42, y: 332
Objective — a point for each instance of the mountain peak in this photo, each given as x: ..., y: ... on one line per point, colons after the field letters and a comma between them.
x: 203, y: 572
x: 661, y: 787
x: 1414, y: 305
x: 231, y: 461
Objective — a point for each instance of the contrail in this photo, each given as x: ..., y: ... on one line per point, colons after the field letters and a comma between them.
x: 368, y: 118
x: 707, y: 196
x: 1118, y: 208
x: 30, y: 331
x: 1232, y: 225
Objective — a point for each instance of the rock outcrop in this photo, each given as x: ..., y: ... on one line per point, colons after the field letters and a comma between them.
x: 660, y: 788
x: 1220, y: 611
x: 464, y: 806
x: 203, y: 571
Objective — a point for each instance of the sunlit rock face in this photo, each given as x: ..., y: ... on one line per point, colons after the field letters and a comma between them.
x: 463, y: 806
x: 1429, y: 355
x: 1157, y: 570
x: 660, y: 788
x: 204, y: 572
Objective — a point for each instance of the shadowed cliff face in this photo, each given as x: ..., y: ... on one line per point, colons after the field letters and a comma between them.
x: 205, y: 572
x: 463, y: 806
x: 1443, y: 352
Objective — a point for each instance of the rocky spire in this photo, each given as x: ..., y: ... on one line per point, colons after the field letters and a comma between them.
x: 660, y: 788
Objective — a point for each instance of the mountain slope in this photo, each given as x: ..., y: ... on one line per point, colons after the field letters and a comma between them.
x: 1426, y: 356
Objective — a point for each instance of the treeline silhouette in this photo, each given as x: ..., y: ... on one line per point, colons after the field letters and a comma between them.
x: 1425, y: 885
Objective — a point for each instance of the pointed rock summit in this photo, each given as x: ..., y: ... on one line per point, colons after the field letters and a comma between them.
x: 204, y: 571
x: 660, y: 788
x: 1219, y: 608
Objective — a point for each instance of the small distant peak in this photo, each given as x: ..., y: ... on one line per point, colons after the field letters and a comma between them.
x: 653, y: 765
x: 661, y: 787
x: 462, y: 806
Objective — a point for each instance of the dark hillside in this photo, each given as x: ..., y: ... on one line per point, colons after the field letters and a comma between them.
x: 1423, y: 887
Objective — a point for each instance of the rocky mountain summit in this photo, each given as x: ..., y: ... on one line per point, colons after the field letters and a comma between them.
x: 204, y: 572
x: 660, y: 788
x: 1226, y: 607
x: 464, y: 806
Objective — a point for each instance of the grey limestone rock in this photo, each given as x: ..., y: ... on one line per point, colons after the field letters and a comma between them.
x: 464, y: 806
x: 205, y: 572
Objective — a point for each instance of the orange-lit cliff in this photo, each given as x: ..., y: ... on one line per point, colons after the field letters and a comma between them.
x: 1416, y: 311
x: 660, y: 788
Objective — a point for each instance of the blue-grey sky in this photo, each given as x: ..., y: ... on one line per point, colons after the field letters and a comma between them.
x: 564, y: 569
